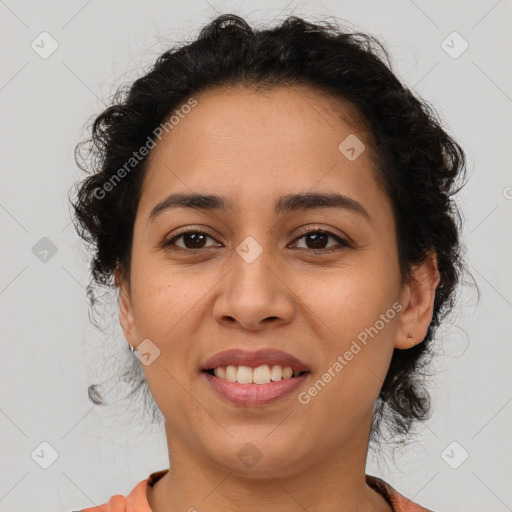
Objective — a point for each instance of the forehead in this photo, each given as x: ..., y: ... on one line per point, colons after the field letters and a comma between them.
x: 288, y: 117
x: 257, y: 144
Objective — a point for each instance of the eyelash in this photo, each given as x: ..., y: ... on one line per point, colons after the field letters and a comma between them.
x: 341, y: 241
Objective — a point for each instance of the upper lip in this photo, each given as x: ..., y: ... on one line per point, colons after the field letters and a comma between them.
x: 240, y: 357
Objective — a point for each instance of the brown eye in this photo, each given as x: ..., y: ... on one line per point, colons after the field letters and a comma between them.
x: 191, y: 240
x: 316, y: 240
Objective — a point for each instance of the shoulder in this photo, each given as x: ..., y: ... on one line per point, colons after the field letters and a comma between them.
x: 398, y: 502
x: 135, y: 501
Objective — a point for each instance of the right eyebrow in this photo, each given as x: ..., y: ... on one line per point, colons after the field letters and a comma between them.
x: 195, y: 201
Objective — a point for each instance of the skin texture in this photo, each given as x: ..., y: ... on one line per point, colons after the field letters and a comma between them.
x: 253, y: 147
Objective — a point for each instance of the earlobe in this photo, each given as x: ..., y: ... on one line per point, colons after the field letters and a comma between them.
x: 418, y: 299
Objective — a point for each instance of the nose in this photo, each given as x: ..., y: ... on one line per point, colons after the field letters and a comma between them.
x: 254, y: 292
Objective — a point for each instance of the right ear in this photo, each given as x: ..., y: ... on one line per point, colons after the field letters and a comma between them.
x: 126, y: 316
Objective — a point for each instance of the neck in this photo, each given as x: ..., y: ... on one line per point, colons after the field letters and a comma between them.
x: 328, y: 483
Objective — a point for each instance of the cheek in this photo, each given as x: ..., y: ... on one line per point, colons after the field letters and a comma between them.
x: 358, y: 311
x: 163, y: 297
x: 353, y: 297
x: 355, y: 363
x: 165, y: 303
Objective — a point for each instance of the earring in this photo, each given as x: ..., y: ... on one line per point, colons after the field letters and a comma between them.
x: 132, y: 350
x: 410, y: 335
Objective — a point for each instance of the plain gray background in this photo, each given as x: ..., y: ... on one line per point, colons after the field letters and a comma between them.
x: 51, y: 353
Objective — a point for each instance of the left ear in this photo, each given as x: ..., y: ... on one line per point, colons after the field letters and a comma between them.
x: 417, y: 299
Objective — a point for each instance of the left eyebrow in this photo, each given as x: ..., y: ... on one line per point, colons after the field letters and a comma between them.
x: 313, y: 200
x: 284, y: 204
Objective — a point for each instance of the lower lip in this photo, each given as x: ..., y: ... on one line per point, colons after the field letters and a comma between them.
x: 255, y: 394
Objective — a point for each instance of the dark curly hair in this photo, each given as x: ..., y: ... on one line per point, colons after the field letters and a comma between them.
x: 418, y: 163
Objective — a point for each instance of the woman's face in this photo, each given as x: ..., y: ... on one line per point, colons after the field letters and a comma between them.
x: 257, y: 281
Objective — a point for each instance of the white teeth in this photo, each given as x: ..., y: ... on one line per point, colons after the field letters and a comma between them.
x: 287, y: 372
x: 220, y: 372
x: 260, y: 375
x: 231, y: 372
x: 244, y: 375
x: 276, y: 373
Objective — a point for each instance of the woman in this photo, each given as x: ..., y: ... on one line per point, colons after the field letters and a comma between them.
x: 274, y: 209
